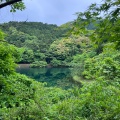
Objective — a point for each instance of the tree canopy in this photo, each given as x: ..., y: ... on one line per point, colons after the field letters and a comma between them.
x: 15, y: 4
x: 106, y: 18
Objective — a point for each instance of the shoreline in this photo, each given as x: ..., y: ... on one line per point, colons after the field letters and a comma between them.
x: 23, y: 66
x: 28, y: 66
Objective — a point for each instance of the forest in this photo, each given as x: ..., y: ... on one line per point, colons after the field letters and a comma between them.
x: 42, y: 44
x: 91, y: 42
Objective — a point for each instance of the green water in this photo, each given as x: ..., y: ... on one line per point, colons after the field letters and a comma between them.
x: 59, y: 77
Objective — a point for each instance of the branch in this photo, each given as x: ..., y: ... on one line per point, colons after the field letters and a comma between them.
x: 9, y: 3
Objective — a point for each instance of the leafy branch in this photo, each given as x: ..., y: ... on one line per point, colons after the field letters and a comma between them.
x: 9, y: 3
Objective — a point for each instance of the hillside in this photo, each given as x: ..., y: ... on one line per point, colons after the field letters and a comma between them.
x: 47, y: 32
x: 34, y: 37
x: 42, y: 44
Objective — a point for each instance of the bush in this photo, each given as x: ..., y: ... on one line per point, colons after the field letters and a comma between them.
x: 102, y: 65
x: 57, y: 63
x: 25, y: 99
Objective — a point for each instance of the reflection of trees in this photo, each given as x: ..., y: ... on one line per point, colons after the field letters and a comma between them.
x: 53, y: 76
x: 48, y: 73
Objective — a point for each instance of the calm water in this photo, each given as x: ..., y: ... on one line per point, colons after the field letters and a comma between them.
x: 59, y: 77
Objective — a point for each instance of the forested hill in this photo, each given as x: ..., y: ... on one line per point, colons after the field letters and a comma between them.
x: 34, y: 38
x: 42, y: 44
x: 40, y: 30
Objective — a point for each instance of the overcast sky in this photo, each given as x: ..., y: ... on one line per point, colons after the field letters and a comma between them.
x: 47, y: 11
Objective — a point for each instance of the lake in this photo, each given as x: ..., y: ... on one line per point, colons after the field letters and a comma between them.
x: 59, y: 77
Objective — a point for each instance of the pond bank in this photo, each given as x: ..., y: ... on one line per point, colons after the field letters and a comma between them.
x: 80, y: 80
x: 48, y: 66
x: 23, y: 65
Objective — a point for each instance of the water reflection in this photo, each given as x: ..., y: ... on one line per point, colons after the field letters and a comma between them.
x: 59, y: 77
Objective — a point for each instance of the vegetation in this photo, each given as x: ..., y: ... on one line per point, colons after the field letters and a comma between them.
x: 43, y: 42
x: 22, y: 98
x: 105, y: 39
x: 15, y: 4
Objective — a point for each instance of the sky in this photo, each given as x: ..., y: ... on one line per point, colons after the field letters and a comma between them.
x: 47, y: 11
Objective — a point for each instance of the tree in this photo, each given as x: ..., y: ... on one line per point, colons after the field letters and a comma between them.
x: 15, y: 4
x: 104, y: 16
x: 9, y: 54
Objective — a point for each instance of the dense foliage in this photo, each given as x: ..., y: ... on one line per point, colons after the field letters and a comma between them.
x: 35, y: 38
x: 105, y: 37
x: 25, y: 99
x: 44, y: 43
x: 22, y: 98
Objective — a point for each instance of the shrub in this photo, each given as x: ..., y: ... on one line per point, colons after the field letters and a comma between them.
x: 102, y: 65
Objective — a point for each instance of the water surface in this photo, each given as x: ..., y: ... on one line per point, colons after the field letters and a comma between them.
x: 59, y: 77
